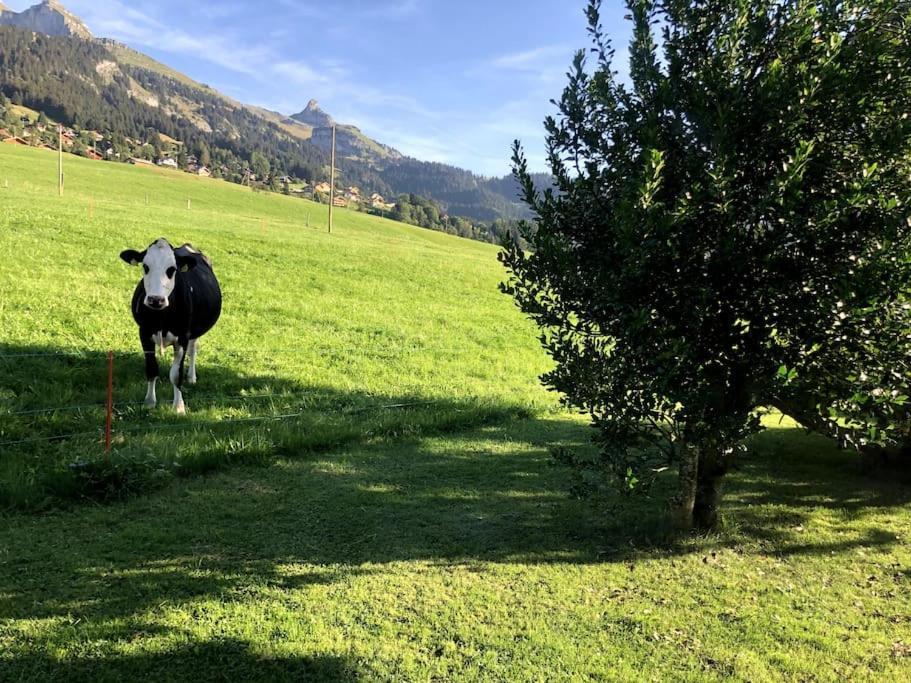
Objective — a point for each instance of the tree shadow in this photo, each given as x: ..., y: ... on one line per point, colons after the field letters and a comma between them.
x: 52, y: 456
x: 789, y: 477
x: 489, y: 495
x: 216, y: 660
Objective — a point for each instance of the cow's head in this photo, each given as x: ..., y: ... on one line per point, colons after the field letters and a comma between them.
x: 161, y: 268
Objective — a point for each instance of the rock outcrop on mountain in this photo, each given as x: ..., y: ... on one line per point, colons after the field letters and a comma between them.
x: 48, y: 17
x: 313, y: 116
x: 350, y: 142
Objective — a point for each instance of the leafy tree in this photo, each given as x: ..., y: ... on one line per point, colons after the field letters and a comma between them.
x: 204, y: 156
x: 157, y: 146
x: 720, y: 226
x: 260, y: 165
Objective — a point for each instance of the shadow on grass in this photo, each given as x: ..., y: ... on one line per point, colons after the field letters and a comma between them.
x: 789, y: 477
x: 489, y: 495
x: 218, y: 660
x: 53, y: 456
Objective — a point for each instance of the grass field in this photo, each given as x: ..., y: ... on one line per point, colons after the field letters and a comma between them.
x: 459, y: 557
x: 328, y: 326
x: 355, y: 542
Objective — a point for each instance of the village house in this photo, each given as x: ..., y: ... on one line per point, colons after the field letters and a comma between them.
x: 168, y: 162
x: 203, y: 172
x: 340, y: 201
x: 322, y: 188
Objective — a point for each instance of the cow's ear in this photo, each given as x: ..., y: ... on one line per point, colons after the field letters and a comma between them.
x: 186, y: 263
x: 133, y: 257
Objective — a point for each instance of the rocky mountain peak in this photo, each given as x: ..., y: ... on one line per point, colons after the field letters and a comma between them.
x: 48, y: 17
x: 313, y: 116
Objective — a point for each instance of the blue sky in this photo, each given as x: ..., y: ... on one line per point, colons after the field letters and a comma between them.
x: 441, y: 80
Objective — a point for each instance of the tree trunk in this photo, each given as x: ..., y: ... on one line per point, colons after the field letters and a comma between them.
x: 712, y: 467
x: 699, y: 496
x: 683, y: 504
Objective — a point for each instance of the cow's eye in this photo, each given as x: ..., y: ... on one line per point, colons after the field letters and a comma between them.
x: 145, y: 268
x: 170, y: 272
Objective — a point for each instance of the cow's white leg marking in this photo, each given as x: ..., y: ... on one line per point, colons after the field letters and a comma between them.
x: 191, y: 372
x: 151, y: 401
x: 179, y: 406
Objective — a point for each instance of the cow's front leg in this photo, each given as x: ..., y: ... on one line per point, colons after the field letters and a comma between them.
x: 180, y: 352
x: 191, y: 352
x: 151, y: 361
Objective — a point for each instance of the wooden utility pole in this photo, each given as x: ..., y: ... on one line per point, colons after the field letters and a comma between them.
x: 60, y: 160
x: 332, y: 181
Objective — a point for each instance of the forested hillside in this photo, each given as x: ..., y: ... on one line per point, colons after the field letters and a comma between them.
x: 87, y: 83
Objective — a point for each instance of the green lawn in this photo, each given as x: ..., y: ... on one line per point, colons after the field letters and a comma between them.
x: 460, y: 557
x: 430, y: 541
x: 325, y: 327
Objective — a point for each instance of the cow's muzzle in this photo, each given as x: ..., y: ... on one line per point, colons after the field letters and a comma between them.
x: 156, y: 303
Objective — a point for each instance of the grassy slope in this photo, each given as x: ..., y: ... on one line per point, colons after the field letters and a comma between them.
x: 460, y: 557
x: 376, y: 313
x: 131, y: 57
x: 434, y: 556
x: 20, y: 111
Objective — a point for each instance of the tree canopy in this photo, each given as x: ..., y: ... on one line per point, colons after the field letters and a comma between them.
x: 723, y: 225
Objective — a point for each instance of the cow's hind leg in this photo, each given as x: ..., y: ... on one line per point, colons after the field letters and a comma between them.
x: 191, y: 353
x: 177, y: 377
x: 148, y: 348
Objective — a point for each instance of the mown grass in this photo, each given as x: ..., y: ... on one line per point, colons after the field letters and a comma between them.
x: 328, y: 328
x: 460, y: 557
x: 432, y: 541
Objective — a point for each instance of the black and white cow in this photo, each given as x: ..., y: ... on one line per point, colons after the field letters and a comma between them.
x: 177, y: 301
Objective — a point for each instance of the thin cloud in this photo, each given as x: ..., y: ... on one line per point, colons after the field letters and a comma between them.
x: 460, y: 137
x: 395, y: 10
x: 530, y: 59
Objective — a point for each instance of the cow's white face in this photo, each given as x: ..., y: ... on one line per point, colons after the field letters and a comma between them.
x: 159, y: 272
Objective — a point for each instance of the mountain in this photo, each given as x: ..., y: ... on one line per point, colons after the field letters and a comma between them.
x: 313, y: 116
x: 350, y: 142
x: 48, y: 17
x: 55, y: 65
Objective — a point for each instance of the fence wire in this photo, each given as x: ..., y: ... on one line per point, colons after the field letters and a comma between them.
x: 209, y: 400
x: 190, y: 426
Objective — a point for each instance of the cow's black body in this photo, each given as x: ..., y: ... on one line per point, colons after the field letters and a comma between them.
x: 193, y: 308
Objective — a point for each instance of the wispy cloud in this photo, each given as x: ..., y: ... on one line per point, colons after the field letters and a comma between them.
x: 399, y: 9
x: 531, y: 59
x: 115, y: 19
x: 282, y: 60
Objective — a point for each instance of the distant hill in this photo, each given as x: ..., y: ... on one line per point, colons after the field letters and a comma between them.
x: 104, y: 84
